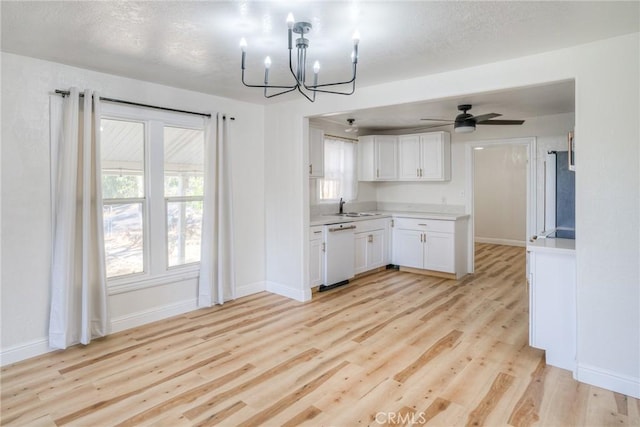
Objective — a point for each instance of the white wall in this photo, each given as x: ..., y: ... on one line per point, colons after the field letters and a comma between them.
x: 26, y: 221
x: 607, y: 182
x: 500, y: 194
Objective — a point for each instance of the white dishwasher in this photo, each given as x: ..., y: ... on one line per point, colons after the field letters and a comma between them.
x: 339, y: 265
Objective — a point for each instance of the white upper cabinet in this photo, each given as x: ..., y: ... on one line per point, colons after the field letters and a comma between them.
x: 378, y: 158
x: 316, y: 153
x: 424, y: 157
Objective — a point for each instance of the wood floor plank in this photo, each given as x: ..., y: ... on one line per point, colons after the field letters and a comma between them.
x: 390, y: 348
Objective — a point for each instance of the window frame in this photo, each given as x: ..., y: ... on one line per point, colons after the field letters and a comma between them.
x: 156, y: 270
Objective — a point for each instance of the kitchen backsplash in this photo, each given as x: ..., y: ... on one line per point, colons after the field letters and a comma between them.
x: 329, y: 208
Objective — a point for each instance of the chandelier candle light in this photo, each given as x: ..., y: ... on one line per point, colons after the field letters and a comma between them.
x: 299, y: 73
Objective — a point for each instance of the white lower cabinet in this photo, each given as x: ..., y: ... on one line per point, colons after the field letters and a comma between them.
x: 552, y: 306
x: 428, y: 244
x: 316, y: 256
x: 372, y: 245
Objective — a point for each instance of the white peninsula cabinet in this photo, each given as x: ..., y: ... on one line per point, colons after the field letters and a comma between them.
x: 433, y: 245
x: 372, y: 244
x: 378, y: 158
x: 424, y: 157
x: 316, y: 256
x: 552, y: 300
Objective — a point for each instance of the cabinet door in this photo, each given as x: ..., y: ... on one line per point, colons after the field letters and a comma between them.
x: 376, y: 246
x: 386, y: 156
x: 361, y: 253
x: 435, y: 156
x: 366, y: 159
x: 316, y: 260
x: 316, y: 153
x: 408, y: 248
x: 439, y: 252
x: 409, y: 157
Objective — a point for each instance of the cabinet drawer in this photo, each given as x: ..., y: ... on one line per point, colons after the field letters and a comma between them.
x: 370, y: 225
x: 315, y: 232
x: 425, y: 224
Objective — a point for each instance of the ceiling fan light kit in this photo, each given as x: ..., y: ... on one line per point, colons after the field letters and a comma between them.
x: 299, y: 70
x: 352, y: 126
x: 466, y: 122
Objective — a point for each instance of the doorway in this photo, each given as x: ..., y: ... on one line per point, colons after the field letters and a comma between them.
x: 500, y: 188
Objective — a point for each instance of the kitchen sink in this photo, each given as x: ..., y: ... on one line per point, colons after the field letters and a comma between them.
x: 356, y: 214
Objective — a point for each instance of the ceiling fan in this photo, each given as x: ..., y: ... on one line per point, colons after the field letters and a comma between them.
x: 466, y: 122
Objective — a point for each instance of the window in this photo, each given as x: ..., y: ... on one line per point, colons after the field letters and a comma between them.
x: 123, y: 195
x: 340, y: 177
x: 183, y: 192
x: 152, y: 192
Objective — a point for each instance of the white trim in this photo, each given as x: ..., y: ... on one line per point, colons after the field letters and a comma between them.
x: 507, y: 242
x: 148, y: 316
x: 301, y: 295
x: 131, y: 283
x: 250, y: 289
x: 24, y: 351
x: 531, y: 143
x: 609, y: 380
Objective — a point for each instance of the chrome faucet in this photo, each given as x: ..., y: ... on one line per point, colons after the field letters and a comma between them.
x: 341, y: 205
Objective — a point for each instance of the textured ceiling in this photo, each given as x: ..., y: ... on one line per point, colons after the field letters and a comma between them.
x: 194, y: 44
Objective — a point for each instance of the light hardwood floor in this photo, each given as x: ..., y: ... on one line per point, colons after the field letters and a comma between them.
x: 392, y: 348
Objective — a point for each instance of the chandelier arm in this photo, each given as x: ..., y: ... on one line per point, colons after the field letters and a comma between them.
x: 353, y: 79
x: 267, y: 86
x: 280, y: 93
x: 307, y: 96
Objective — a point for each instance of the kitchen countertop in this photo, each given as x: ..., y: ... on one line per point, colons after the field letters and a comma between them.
x: 560, y: 246
x: 334, y: 219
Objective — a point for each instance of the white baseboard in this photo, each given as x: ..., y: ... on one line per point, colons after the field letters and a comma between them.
x: 608, y: 380
x: 506, y: 242
x: 250, y: 289
x: 301, y: 295
x: 24, y: 351
x: 157, y: 313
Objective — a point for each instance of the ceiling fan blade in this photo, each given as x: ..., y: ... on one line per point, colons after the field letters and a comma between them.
x: 501, y: 122
x: 438, y: 120
x: 434, y: 126
x: 483, y: 117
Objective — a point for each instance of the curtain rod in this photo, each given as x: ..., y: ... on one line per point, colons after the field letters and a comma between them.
x: 137, y: 104
x: 341, y: 137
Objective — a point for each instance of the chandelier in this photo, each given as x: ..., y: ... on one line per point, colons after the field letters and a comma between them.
x: 299, y: 69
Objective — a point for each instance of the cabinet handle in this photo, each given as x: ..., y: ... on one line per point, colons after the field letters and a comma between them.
x: 370, y: 238
x: 417, y: 172
x: 421, y: 172
x: 421, y: 236
x: 423, y: 224
x: 310, y: 169
x: 377, y: 173
x: 317, y: 232
x: 425, y: 237
x: 392, y: 223
x: 324, y: 247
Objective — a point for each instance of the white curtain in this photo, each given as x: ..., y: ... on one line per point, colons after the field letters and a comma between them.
x: 217, y: 265
x: 79, y: 309
x: 340, y: 175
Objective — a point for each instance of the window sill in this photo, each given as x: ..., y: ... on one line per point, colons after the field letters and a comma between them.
x: 130, y: 284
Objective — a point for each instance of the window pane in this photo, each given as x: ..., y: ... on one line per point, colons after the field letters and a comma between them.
x: 122, y: 157
x: 183, y: 162
x: 184, y: 227
x: 123, y: 238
